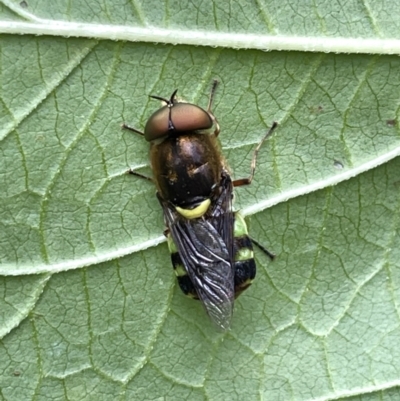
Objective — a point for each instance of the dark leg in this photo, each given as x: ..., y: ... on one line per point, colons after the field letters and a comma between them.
x: 265, y: 250
x: 129, y: 128
x: 248, y: 180
x: 212, y: 94
x: 133, y: 172
x: 210, y: 101
x: 130, y: 171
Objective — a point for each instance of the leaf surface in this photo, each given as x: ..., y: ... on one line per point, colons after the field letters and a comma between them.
x: 90, y: 308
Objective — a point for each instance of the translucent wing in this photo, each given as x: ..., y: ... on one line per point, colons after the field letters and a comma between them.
x: 207, y: 262
x: 206, y: 248
x: 221, y: 215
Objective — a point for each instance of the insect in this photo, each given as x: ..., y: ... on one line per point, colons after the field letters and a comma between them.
x: 211, y: 251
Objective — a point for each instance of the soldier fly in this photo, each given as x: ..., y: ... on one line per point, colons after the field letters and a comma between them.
x: 211, y: 251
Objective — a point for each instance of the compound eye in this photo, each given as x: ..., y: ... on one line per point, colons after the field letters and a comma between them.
x: 157, y: 125
x: 175, y: 119
x: 189, y: 117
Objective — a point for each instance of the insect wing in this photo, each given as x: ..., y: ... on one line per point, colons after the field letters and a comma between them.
x: 222, y: 216
x: 207, y: 261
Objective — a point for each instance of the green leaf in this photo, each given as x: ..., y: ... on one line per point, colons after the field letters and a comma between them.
x: 90, y: 308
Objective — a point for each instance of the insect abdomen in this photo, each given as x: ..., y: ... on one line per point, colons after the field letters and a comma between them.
x: 183, y: 278
x: 244, y: 264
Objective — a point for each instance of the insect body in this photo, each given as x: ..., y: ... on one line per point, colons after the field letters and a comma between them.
x: 210, y: 249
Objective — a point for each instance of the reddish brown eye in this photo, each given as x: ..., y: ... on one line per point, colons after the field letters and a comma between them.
x: 181, y: 117
x: 189, y: 117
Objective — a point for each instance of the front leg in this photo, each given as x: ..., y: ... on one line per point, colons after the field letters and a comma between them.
x: 133, y: 172
x: 129, y: 128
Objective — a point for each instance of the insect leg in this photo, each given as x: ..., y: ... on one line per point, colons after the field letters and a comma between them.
x: 130, y: 171
x: 129, y: 128
x: 210, y: 101
x: 212, y: 94
x: 265, y: 250
x: 133, y: 172
x: 249, y: 179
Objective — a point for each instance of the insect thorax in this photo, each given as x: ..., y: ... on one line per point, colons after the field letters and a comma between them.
x: 186, y: 168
